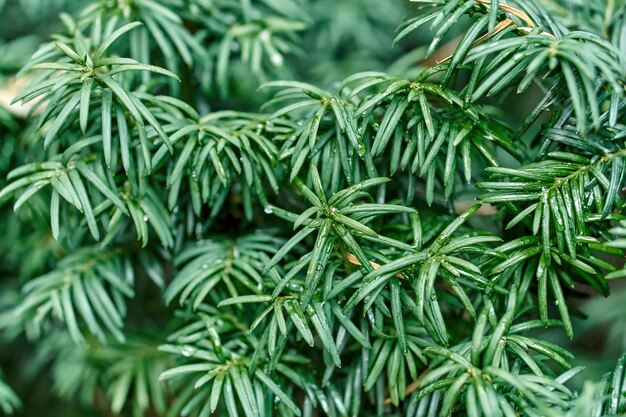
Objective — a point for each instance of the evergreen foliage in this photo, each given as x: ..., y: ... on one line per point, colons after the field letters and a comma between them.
x: 257, y: 208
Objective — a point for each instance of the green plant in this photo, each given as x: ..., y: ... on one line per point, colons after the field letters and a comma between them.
x: 207, y: 225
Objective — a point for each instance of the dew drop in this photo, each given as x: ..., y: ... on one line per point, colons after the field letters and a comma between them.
x: 277, y: 59
x: 188, y: 351
x: 264, y: 35
x: 145, y: 218
x: 268, y: 210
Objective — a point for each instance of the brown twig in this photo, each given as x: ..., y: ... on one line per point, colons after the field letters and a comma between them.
x: 353, y: 260
x: 513, y: 11
x: 413, y: 386
x: 501, y: 25
x: 499, y: 28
